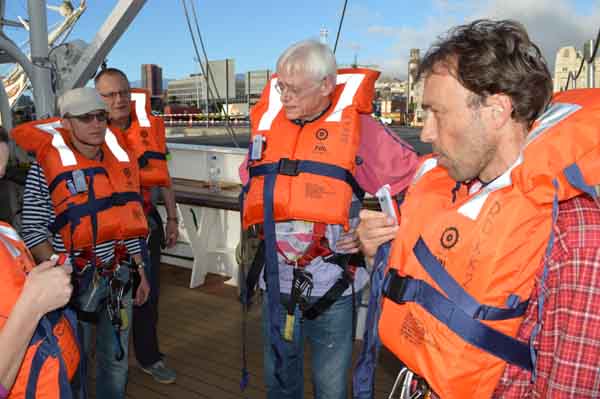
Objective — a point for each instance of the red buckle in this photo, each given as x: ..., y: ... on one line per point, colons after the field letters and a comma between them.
x: 351, y: 270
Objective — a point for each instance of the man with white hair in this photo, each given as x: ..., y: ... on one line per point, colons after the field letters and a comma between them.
x: 82, y: 198
x: 315, y: 151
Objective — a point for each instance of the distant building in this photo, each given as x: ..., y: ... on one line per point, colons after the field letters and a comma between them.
x: 256, y: 82
x: 223, y: 73
x: 192, y: 90
x: 188, y: 91
x: 152, y: 79
x: 240, y: 86
x: 414, y: 97
x: 568, y: 59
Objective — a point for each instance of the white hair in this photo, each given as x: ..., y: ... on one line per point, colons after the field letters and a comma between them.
x: 311, y: 57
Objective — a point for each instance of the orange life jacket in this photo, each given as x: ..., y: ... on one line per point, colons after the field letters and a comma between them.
x: 307, y: 157
x: 94, y: 201
x: 303, y: 171
x: 461, y: 270
x: 146, y: 141
x: 53, y: 353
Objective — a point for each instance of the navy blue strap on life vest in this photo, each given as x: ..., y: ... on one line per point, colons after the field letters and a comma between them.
x: 575, y: 178
x: 89, y: 172
x: 450, y: 312
x: 74, y: 213
x: 542, y: 297
x: 457, y: 294
x: 272, y: 276
x: 363, y: 380
x: 48, y: 347
x: 148, y: 155
x: 293, y: 167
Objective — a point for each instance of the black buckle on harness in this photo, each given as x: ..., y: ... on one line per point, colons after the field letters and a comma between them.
x: 396, y: 285
x: 288, y: 167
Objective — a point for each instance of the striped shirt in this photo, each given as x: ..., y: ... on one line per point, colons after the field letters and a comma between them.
x: 38, y: 214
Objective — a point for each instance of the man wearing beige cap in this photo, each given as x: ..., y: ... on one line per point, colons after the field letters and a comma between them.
x: 82, y: 198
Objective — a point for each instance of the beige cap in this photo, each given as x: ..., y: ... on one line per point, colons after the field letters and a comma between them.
x: 80, y: 101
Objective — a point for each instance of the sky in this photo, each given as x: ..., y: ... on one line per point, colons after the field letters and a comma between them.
x: 377, y: 32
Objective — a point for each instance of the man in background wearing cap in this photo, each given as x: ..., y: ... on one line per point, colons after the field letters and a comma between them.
x: 80, y: 139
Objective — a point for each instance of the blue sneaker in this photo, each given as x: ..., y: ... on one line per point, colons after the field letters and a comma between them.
x: 160, y: 373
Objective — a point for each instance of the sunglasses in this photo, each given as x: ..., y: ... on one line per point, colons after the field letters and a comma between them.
x: 89, y: 117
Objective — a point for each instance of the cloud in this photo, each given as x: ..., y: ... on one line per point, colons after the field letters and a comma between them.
x: 550, y: 26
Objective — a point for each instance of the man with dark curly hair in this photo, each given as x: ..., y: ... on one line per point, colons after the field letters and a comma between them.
x: 492, y: 281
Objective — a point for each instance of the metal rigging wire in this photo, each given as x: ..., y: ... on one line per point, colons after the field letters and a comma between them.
x: 337, y: 37
x: 212, y: 78
x: 208, y: 88
x: 573, y: 77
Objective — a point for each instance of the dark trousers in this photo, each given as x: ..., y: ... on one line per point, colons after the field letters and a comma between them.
x: 145, y: 317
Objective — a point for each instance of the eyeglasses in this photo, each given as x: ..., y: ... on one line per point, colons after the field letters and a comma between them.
x: 89, y: 117
x: 293, y: 91
x: 113, y: 94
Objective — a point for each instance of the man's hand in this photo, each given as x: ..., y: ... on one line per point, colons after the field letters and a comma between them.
x: 143, y: 290
x: 374, y: 229
x: 171, y: 232
x: 348, y: 243
x: 48, y: 287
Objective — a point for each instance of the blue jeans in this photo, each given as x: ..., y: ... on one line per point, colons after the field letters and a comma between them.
x: 330, y: 338
x: 111, y: 374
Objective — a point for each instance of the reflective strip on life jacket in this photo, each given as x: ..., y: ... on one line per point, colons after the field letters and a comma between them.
x: 9, y: 232
x: 140, y: 108
x: 112, y: 143
x: 67, y: 156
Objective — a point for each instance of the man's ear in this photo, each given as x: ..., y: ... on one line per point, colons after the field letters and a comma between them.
x: 328, y: 85
x: 66, y: 123
x: 500, y: 106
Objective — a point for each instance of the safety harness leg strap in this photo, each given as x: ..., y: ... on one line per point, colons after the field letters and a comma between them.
x: 405, y: 289
x: 332, y: 294
x: 254, y: 272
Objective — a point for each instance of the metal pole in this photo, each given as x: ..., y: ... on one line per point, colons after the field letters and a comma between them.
x: 7, y: 121
x: 11, y: 49
x: 206, y: 91
x: 248, y: 90
x: 197, y: 79
x: 40, y: 79
x: 226, y: 86
x: 116, y: 23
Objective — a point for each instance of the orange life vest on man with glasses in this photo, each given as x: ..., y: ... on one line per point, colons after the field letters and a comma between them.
x: 53, y: 353
x: 332, y: 139
x: 145, y: 140
x: 463, y: 264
